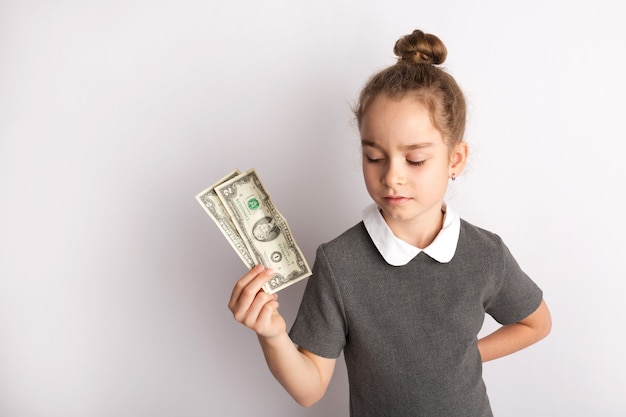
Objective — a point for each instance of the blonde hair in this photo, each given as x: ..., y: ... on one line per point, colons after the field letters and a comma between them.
x: 417, y: 74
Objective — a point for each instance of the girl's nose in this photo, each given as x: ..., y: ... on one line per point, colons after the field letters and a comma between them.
x: 393, y: 175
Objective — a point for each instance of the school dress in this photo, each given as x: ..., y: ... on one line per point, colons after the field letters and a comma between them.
x: 407, y: 319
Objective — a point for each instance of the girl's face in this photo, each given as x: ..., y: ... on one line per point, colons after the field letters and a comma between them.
x: 406, y: 164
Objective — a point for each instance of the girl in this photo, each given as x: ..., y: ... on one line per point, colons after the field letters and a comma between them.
x: 403, y: 293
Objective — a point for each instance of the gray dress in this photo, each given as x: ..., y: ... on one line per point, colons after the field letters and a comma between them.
x: 409, y: 333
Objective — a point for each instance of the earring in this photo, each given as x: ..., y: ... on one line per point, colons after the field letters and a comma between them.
x: 453, y: 176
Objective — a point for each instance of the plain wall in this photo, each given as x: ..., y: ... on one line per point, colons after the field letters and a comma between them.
x: 114, y: 114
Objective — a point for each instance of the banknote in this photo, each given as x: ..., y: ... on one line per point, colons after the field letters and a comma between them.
x: 263, y: 229
x: 209, y: 200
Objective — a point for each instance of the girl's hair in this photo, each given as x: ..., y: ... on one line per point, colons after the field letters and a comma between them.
x: 417, y: 74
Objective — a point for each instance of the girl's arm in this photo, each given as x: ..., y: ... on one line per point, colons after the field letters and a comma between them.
x: 513, y: 337
x: 303, y: 374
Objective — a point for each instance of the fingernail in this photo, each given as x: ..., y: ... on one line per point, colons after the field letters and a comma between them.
x: 269, y: 271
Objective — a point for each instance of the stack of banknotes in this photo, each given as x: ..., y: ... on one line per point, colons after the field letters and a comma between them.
x: 259, y: 234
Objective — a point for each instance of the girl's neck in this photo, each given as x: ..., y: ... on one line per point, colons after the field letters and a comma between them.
x: 419, y: 232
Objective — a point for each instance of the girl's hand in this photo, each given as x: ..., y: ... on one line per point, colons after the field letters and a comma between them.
x: 253, y: 307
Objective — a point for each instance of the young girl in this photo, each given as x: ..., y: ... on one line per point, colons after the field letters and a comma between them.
x: 404, y: 292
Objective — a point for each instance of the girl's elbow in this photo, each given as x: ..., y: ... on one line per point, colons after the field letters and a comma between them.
x: 547, y: 321
x: 546, y: 328
x: 308, y: 401
x: 306, y: 404
x: 543, y: 323
x: 309, y: 396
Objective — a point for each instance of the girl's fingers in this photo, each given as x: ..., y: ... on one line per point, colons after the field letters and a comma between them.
x: 267, y: 312
x: 246, y: 290
x: 260, y: 303
x: 252, y: 306
x: 268, y: 322
x: 241, y: 284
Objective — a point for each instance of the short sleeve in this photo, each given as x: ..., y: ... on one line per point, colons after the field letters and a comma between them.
x: 320, y: 325
x: 515, y: 296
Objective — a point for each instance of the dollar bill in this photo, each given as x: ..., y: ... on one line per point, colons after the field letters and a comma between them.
x: 263, y: 229
x: 211, y: 203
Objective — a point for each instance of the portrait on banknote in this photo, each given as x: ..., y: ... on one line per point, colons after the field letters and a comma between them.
x: 265, y: 229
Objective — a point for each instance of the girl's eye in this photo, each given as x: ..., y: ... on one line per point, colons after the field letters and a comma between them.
x: 415, y: 163
x: 372, y: 160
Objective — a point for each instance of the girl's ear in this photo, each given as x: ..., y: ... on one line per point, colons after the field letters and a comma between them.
x: 458, y: 158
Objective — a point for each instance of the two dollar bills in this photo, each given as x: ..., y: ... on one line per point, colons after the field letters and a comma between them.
x: 245, y: 214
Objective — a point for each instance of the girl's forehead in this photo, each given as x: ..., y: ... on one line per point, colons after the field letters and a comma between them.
x: 388, y: 113
x: 405, y: 122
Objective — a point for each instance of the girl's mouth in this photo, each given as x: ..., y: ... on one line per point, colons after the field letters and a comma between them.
x: 396, y: 200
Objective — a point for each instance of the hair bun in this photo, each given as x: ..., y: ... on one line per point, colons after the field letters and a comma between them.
x: 420, y: 48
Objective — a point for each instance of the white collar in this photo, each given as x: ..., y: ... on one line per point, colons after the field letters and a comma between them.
x: 397, y: 252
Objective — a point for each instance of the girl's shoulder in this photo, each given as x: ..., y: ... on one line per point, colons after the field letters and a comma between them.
x: 352, y: 243
x: 356, y: 233
x: 479, y: 241
x: 477, y: 232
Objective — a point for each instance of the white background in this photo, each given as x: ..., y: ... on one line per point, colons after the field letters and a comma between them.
x: 114, y: 114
